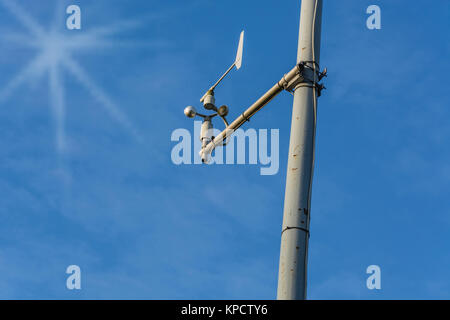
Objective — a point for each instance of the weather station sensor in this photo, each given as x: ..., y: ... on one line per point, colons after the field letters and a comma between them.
x: 209, y: 103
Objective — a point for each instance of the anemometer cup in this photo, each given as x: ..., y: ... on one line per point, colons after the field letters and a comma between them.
x: 190, y: 112
x: 223, y: 111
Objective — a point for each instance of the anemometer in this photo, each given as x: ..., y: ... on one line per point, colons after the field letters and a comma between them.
x: 209, y: 103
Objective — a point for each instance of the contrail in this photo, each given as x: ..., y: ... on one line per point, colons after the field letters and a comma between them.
x: 26, y: 20
x: 55, y: 49
x: 120, y: 26
x: 58, y: 106
x: 100, y: 96
x: 33, y: 69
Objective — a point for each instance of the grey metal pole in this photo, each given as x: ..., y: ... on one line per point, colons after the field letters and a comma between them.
x: 296, y: 216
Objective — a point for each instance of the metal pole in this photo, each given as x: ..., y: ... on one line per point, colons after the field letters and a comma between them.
x: 296, y: 216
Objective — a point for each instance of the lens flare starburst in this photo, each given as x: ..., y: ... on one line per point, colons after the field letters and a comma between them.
x: 55, y: 51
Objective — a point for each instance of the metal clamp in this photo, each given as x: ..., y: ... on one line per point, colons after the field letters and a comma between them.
x: 297, y: 228
x: 301, y: 79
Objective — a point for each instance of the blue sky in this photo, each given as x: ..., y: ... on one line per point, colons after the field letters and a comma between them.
x: 101, y: 192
